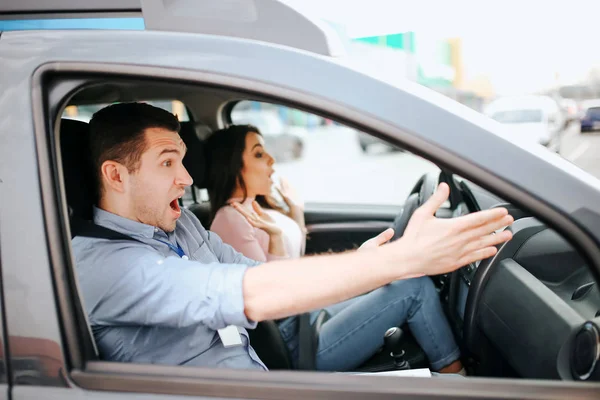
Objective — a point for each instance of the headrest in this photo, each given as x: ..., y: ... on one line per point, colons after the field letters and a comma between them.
x: 77, y: 168
x: 194, y: 160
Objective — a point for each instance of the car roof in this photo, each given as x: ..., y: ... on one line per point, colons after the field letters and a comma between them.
x: 272, y: 21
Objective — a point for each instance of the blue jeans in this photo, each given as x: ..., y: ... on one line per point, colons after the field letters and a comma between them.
x: 354, y: 331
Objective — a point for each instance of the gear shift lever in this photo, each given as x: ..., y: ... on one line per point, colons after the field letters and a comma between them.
x: 391, y: 341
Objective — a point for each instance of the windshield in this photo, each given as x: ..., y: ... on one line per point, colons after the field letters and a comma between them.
x: 518, y: 116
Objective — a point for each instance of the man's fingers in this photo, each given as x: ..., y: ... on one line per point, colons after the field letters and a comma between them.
x: 490, y: 227
x: 437, y: 199
x: 488, y: 241
x: 384, y: 237
x: 480, y: 218
x: 480, y: 254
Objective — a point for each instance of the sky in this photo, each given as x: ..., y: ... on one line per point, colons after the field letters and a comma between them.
x: 520, y: 45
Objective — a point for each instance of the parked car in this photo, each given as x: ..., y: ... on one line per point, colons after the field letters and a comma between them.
x: 284, y: 142
x: 590, y: 116
x: 529, y: 315
x: 536, y: 119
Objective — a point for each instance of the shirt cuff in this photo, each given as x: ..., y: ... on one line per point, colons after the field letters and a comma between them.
x: 232, y: 296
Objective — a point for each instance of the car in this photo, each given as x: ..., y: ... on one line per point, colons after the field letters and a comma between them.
x: 284, y: 142
x: 590, y: 116
x: 529, y: 315
x: 538, y: 119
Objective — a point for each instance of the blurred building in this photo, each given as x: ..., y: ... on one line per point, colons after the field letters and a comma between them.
x: 430, y: 61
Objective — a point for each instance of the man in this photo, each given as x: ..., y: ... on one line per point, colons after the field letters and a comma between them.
x: 175, y: 294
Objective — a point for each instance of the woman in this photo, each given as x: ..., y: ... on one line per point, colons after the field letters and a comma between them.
x: 239, y: 178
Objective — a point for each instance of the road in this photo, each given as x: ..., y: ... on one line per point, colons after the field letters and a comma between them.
x: 582, y: 149
x: 334, y: 169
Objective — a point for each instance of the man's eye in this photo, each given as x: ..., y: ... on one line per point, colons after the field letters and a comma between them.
x: 167, y: 163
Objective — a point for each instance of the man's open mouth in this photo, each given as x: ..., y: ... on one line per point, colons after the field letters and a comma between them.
x: 175, y: 205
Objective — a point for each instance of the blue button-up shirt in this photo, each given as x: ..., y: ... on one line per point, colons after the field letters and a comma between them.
x: 148, y: 305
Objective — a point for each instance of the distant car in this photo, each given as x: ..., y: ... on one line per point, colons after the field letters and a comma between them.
x: 590, y: 116
x: 530, y: 118
x: 285, y: 143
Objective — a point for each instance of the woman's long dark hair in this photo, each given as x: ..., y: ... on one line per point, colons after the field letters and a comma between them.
x: 224, y: 163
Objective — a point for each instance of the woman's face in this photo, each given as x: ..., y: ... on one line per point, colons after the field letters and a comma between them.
x: 257, y: 166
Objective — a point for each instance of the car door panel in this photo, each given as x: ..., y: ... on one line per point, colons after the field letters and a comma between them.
x: 335, y: 228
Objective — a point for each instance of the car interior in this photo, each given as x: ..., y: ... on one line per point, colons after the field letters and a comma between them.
x: 526, y: 312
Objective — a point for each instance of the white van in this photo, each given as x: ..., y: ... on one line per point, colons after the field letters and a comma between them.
x: 530, y: 118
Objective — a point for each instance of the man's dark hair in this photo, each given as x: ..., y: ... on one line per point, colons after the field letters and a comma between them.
x: 117, y: 134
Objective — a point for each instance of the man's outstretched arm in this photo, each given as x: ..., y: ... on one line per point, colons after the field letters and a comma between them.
x: 429, y: 246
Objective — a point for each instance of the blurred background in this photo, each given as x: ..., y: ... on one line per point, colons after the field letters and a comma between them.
x: 532, y: 66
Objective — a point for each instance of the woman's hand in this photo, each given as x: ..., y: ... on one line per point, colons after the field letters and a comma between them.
x: 261, y: 220
x: 292, y: 200
x: 258, y: 218
x: 289, y: 194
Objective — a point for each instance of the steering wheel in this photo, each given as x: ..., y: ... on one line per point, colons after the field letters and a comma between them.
x: 422, y: 191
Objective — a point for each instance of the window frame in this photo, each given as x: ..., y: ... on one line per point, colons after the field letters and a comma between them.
x: 122, y: 377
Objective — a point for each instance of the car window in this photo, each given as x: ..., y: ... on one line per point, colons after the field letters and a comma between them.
x: 518, y: 116
x: 85, y: 112
x: 593, y: 112
x: 328, y: 162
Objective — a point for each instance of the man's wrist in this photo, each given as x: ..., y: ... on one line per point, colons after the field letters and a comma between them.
x: 400, y: 261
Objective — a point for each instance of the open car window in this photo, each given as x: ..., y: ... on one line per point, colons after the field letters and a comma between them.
x: 329, y: 162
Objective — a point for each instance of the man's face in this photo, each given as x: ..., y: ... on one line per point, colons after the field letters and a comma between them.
x: 154, y: 188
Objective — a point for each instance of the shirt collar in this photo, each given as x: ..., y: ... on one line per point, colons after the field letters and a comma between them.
x: 123, y: 225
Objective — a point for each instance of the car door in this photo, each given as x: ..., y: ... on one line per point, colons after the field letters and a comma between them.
x: 4, y: 346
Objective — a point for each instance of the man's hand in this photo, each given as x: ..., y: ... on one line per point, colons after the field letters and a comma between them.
x: 378, y: 240
x: 437, y: 246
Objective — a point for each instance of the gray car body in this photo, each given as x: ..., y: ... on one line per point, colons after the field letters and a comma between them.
x: 419, y: 120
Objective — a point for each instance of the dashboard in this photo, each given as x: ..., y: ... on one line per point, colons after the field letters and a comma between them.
x: 533, y: 310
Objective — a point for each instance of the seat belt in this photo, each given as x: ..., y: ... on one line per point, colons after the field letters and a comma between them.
x: 89, y: 229
x: 306, y: 343
x: 308, y: 338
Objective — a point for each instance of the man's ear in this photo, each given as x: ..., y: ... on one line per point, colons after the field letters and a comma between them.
x: 114, y: 175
